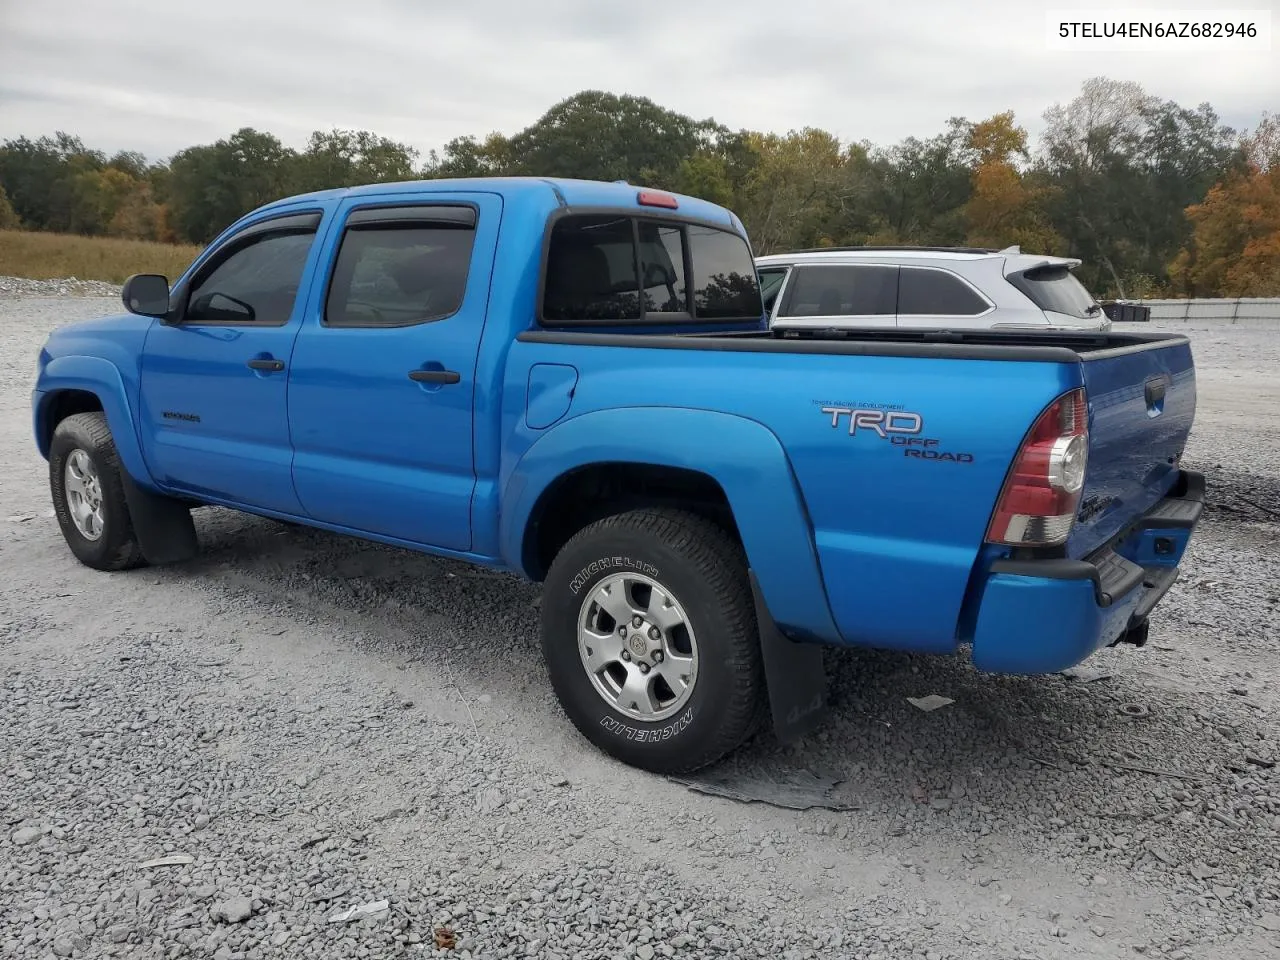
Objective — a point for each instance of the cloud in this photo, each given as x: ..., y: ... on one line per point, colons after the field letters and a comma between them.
x: 155, y: 75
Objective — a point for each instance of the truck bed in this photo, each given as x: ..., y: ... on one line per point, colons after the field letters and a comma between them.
x: 887, y: 524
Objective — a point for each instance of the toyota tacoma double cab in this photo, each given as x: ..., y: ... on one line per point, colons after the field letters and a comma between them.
x: 576, y: 382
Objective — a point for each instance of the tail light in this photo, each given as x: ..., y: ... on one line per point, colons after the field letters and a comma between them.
x: 1038, y: 503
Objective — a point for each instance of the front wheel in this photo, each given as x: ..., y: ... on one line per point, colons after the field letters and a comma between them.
x: 88, y: 495
x: 650, y: 637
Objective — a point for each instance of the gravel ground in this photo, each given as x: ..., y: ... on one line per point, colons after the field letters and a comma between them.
x: 68, y: 287
x: 304, y: 723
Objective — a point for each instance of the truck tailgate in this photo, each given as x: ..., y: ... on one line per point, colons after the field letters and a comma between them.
x: 1142, y: 402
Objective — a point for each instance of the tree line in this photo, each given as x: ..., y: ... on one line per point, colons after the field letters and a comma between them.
x: 1155, y: 198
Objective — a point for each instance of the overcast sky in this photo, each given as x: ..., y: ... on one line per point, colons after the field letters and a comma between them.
x: 158, y: 75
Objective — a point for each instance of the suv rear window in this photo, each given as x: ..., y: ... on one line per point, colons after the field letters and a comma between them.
x: 618, y: 268
x: 1056, y: 289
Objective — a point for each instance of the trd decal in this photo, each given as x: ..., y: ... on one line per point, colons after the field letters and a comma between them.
x: 175, y: 415
x: 901, y: 428
x: 881, y: 422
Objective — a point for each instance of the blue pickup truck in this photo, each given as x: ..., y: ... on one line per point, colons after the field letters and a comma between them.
x: 576, y: 382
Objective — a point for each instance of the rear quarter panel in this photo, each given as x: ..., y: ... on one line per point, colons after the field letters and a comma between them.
x: 896, y: 526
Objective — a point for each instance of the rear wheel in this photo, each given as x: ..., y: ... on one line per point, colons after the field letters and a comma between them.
x: 650, y: 638
x: 88, y: 496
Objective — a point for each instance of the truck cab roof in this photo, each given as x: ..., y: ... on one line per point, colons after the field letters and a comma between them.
x: 561, y: 191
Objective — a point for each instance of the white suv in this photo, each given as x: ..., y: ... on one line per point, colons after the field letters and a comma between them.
x: 926, y: 287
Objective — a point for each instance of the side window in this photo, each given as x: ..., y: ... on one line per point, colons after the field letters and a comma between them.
x: 256, y: 283
x: 770, y: 284
x: 842, y: 290
x: 937, y: 293
x: 591, y: 270
x: 724, y: 276
x: 662, y: 267
x: 395, y: 273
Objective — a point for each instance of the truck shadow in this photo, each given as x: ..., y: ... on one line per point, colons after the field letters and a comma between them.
x: 1050, y: 736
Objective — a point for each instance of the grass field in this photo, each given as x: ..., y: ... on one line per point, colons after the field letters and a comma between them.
x: 48, y: 256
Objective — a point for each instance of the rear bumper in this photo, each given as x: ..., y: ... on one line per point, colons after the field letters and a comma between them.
x: 1042, y: 616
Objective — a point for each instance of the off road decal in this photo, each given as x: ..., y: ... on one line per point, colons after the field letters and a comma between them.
x: 647, y: 736
x: 609, y: 563
x: 889, y: 422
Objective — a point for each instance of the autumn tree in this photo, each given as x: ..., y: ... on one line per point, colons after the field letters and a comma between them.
x: 922, y: 187
x: 1120, y: 179
x: 1126, y: 165
x: 1235, y: 246
x: 787, y: 197
x: 1004, y: 208
x: 139, y: 216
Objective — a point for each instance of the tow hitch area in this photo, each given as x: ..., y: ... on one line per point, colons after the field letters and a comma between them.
x: 1136, y: 633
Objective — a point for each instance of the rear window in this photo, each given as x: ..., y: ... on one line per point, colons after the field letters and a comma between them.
x: 724, y: 276
x: 841, y: 291
x: 662, y: 268
x: 607, y: 268
x: 1056, y: 289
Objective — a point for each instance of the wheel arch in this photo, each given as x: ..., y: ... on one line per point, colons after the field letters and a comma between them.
x: 76, y: 384
x: 726, y: 467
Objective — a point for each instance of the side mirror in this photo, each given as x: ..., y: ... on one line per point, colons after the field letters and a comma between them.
x: 146, y: 294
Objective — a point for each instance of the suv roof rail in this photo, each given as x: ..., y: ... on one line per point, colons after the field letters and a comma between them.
x: 902, y: 247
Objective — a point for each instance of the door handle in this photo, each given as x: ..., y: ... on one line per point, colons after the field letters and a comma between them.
x: 259, y: 364
x: 434, y: 376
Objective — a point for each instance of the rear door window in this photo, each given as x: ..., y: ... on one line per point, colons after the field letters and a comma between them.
x: 937, y: 293
x: 609, y: 268
x: 406, y: 269
x: 842, y: 290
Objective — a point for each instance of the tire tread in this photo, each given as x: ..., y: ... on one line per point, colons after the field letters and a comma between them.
x: 721, y: 561
x: 126, y: 553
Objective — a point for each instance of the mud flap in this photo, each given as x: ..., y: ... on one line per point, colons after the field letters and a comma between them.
x: 794, y: 674
x: 165, y: 530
